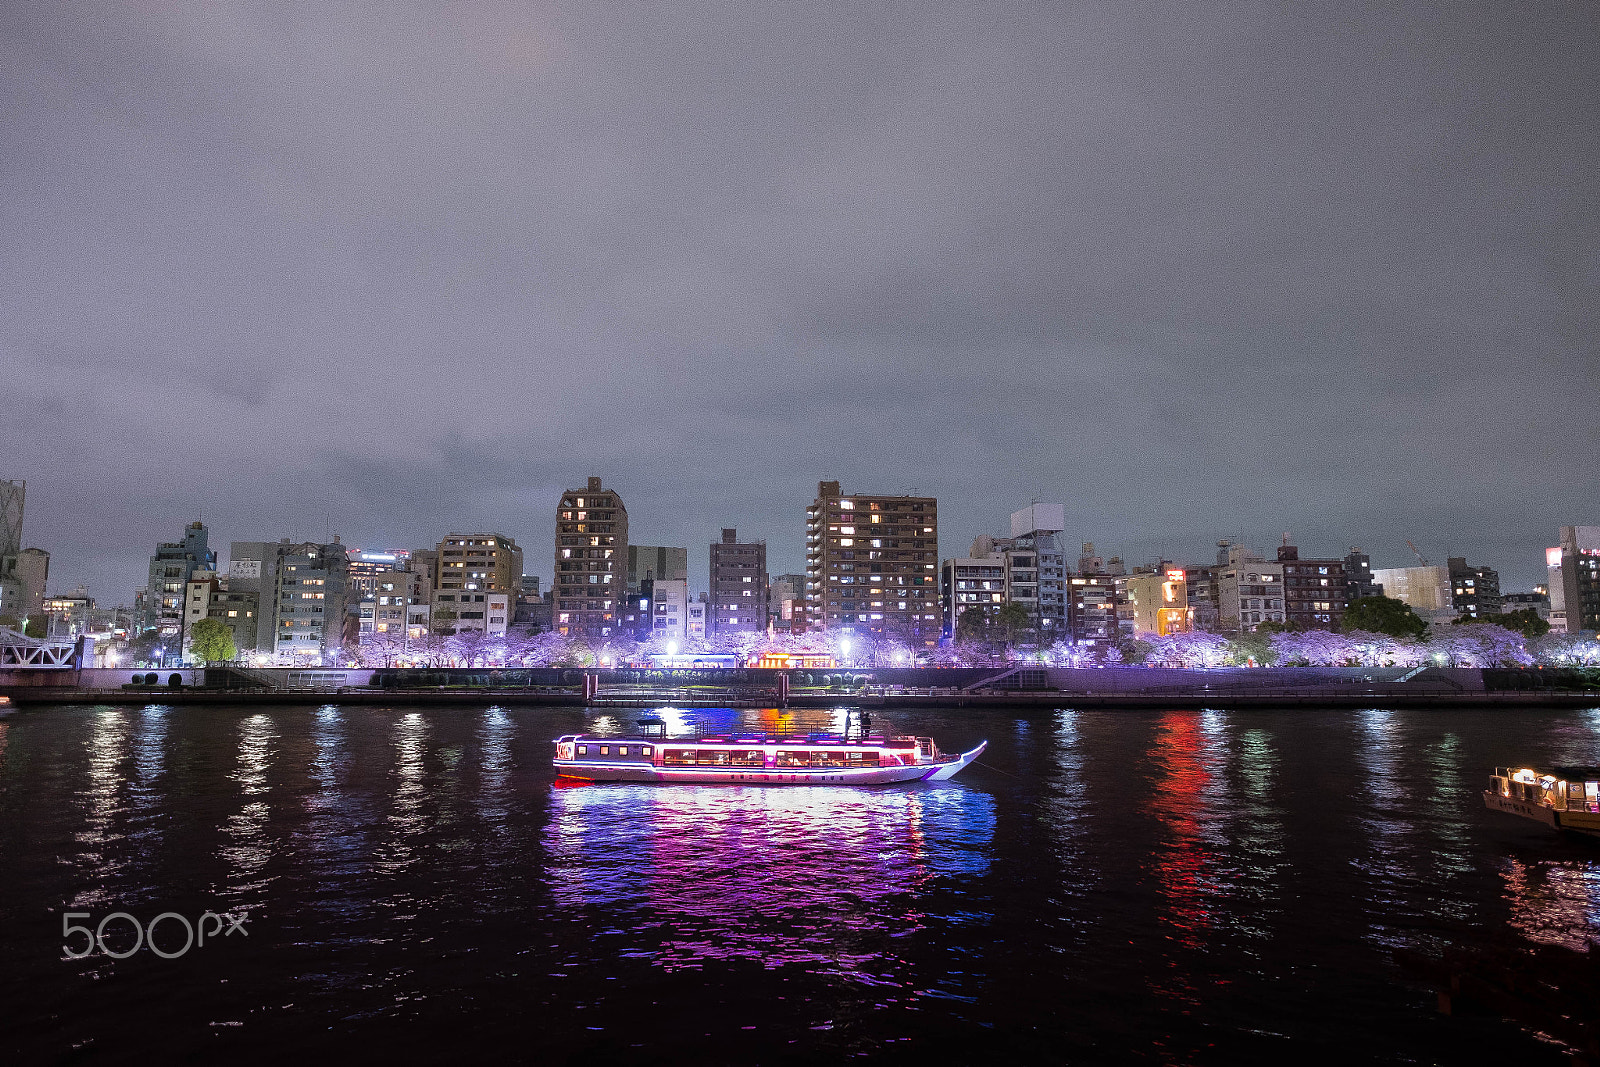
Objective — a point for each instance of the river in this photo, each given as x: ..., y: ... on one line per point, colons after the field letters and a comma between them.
x: 1204, y: 887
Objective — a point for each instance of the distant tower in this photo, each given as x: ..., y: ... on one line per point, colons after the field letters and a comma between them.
x: 12, y: 497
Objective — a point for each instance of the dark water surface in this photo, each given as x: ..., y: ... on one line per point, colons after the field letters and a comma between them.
x: 1112, y: 886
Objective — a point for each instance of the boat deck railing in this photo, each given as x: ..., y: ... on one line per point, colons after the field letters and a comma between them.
x: 710, y: 731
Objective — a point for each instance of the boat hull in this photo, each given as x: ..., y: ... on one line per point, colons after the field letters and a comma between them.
x: 1578, y: 822
x: 603, y: 771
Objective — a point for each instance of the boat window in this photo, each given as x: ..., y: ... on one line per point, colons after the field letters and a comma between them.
x: 749, y: 757
x: 644, y: 750
x: 622, y: 750
x: 790, y: 758
x: 605, y: 750
x: 583, y: 750
x: 712, y: 756
x: 861, y: 759
x: 676, y: 756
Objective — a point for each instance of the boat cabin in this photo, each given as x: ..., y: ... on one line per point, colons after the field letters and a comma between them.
x: 1568, y: 789
x: 752, y: 752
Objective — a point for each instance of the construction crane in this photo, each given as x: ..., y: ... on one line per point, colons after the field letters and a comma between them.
x: 1418, y: 554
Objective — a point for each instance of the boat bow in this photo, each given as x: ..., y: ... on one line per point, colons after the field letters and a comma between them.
x: 947, y: 771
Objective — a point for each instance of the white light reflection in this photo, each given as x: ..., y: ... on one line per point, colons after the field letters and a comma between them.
x: 102, y: 801
x: 494, y: 767
x: 249, y: 848
x: 406, y: 819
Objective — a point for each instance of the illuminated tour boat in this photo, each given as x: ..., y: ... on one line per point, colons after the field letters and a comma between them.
x: 1569, y: 799
x: 757, y: 759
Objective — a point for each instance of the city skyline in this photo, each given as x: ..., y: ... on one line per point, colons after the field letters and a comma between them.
x: 1517, y: 574
x: 1197, y: 274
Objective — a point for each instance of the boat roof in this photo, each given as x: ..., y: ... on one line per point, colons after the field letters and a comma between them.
x: 750, y: 739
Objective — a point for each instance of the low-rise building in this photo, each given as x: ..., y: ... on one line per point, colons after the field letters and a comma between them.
x: 974, y: 583
x: 648, y: 563
x: 1537, y: 602
x: 1358, y: 580
x: 786, y: 602
x: 669, y: 612
x: 69, y: 614
x: 1474, y: 591
x: 1154, y: 601
x: 1249, y: 587
x: 1425, y: 588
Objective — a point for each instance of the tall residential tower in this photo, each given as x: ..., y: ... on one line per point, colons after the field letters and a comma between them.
x: 591, y: 561
x: 872, y: 564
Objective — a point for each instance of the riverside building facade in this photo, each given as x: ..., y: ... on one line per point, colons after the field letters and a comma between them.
x: 738, y: 584
x: 1474, y: 591
x: 1315, y: 591
x: 310, y: 597
x: 591, y: 561
x: 1574, y: 580
x: 1250, y: 588
x: 170, y: 570
x: 872, y: 565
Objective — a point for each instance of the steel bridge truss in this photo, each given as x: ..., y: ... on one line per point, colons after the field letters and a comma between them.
x: 17, y: 650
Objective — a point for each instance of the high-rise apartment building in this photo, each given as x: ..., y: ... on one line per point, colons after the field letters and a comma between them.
x: 170, y: 568
x: 591, y: 561
x: 738, y: 584
x: 648, y: 563
x: 1036, y: 529
x: 872, y: 564
x: 1315, y: 591
x: 1474, y: 591
x: 310, y: 597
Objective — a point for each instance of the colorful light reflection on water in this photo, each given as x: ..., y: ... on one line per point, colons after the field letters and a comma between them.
x: 1178, y: 887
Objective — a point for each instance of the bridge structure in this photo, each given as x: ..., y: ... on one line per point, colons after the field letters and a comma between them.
x: 20, y: 651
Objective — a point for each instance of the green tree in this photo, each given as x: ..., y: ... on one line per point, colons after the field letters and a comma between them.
x: 1133, y: 650
x: 1013, y: 620
x: 1524, y: 621
x: 972, y: 626
x: 211, y: 641
x: 1383, y: 615
x: 1247, y: 648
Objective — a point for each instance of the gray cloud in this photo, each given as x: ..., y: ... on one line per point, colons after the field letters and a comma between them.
x: 1198, y: 272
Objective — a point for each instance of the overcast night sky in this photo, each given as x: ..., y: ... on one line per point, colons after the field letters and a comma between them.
x: 1196, y: 270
